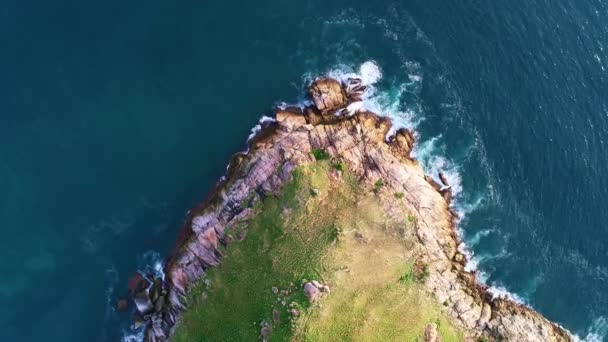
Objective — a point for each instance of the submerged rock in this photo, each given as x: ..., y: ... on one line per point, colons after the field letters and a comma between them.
x: 122, y: 304
x: 137, y: 282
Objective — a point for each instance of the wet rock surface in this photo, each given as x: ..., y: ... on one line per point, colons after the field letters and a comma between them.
x: 359, y: 141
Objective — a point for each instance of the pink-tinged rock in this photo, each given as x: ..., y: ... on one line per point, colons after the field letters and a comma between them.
x: 311, y: 292
x: 199, y: 223
x: 208, y: 239
x: 179, y: 279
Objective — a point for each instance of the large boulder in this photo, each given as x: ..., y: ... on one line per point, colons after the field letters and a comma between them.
x: 137, y: 282
x: 311, y: 292
x: 327, y: 95
x: 143, y: 302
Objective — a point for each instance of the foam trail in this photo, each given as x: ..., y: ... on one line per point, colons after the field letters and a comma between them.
x: 479, y: 235
x: 597, y: 332
x: 432, y: 163
x: 132, y: 337
x: 257, y: 128
x: 151, y: 263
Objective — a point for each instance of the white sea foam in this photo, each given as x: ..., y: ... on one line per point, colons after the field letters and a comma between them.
x: 112, y: 279
x: 499, y: 291
x: 479, y: 235
x: 369, y: 73
x: 130, y: 336
x: 257, y: 128
x: 428, y: 154
x: 151, y: 262
x: 597, y: 332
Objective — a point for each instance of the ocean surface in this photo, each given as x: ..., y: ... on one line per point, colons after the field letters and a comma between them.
x: 116, y: 117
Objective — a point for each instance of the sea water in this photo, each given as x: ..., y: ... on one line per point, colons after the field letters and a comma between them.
x: 117, y: 117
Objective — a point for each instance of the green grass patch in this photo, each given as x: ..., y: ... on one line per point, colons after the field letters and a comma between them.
x: 399, y: 195
x: 339, y: 165
x: 320, y: 154
x: 378, y: 185
x: 408, y: 277
x: 278, y: 251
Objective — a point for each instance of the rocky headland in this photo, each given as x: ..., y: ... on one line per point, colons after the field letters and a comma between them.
x: 379, y: 161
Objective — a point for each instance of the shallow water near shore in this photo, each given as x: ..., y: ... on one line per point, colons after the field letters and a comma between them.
x: 116, y: 118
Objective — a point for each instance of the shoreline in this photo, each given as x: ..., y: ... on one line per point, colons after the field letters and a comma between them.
x: 197, y: 244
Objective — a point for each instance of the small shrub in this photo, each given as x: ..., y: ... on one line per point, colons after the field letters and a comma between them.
x: 334, y: 233
x: 340, y: 166
x: 320, y: 154
x: 483, y: 339
x: 378, y: 185
x: 411, y: 218
x: 408, y: 277
x: 399, y: 195
x: 422, y: 274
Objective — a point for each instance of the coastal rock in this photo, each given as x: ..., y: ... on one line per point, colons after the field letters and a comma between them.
x: 327, y: 95
x: 143, y: 303
x: 362, y: 143
x: 484, y: 318
x: 156, y: 289
x: 138, y: 321
x: 137, y: 282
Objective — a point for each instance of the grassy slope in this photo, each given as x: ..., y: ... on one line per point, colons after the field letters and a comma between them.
x: 338, y: 236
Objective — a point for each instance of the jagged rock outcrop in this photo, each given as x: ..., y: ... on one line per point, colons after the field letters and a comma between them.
x: 359, y: 140
x: 328, y: 95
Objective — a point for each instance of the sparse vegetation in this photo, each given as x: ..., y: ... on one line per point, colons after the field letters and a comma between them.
x: 339, y: 165
x: 320, y: 154
x: 399, y: 195
x: 408, y: 277
x: 378, y: 185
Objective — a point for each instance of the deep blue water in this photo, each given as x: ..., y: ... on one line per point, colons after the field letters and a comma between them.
x: 117, y: 117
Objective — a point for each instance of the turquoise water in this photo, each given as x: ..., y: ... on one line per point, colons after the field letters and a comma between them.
x: 116, y: 118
